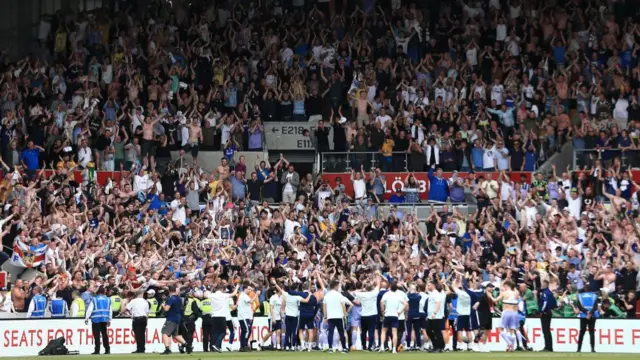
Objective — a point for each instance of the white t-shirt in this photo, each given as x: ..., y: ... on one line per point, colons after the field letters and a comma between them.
x: 403, y: 42
x: 276, y: 311
x: 180, y: 214
x: 440, y: 92
x: 382, y: 119
x: 423, y: 300
x: 288, y: 228
x: 322, y: 196
x: 403, y: 296
x: 530, y: 213
x: 527, y: 91
x: 368, y: 301
x: 487, y: 158
x: 513, y: 46
x: 334, y: 302
x: 84, y: 156
x: 6, y: 303
x: 502, y: 155
x: 393, y: 304
x: 141, y: 183
x: 436, y: 297
x: 359, y: 188
x: 506, y: 191
x: 287, y: 186
x: 292, y: 305
x: 501, y: 32
x: 244, y: 307
x: 225, y: 129
x: 490, y: 187
x: 497, y: 92
x: 463, y: 306
x: 138, y: 307
x: 286, y: 54
x: 219, y: 304
x: 472, y: 56
x: 575, y: 205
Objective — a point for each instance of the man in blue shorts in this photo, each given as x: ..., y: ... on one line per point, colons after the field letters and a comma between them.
x: 171, y: 327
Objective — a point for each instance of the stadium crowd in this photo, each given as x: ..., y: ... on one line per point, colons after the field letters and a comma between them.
x: 469, y: 86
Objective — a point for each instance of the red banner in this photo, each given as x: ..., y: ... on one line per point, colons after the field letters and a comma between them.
x: 395, y: 180
x: 100, y: 176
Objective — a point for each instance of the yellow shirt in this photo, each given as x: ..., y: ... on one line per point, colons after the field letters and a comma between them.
x: 219, y: 75
x: 212, y: 187
x: 62, y: 165
x: 118, y: 57
x: 61, y: 41
x: 387, y: 147
x: 104, y: 31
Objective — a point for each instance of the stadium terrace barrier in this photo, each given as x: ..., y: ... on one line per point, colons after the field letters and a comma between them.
x: 587, y: 158
x: 27, y: 337
x: 395, y: 180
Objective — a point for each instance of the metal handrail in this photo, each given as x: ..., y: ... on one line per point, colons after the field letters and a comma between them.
x: 584, y: 157
x: 343, y: 161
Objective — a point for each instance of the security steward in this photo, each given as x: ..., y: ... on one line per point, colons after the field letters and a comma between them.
x: 207, y: 324
x: 100, y: 313
x: 116, y: 300
x: 191, y: 313
x: 58, y: 308
x: 139, y: 310
x: 37, y: 305
x: 154, y: 306
x: 546, y: 305
x: 587, y: 305
x: 77, y: 306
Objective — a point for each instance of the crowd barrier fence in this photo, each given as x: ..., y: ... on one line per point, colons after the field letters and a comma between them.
x: 28, y: 337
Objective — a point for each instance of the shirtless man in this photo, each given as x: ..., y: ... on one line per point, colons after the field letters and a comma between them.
x: 223, y: 169
x: 195, y: 138
x: 18, y: 296
x: 510, y: 321
x: 153, y: 90
x: 306, y: 320
x: 608, y: 278
x: 616, y: 198
x: 362, y: 105
x: 264, y: 220
x: 149, y: 142
x: 561, y: 86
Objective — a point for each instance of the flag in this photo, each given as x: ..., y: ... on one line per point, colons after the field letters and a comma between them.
x: 27, y: 256
x: 255, y: 305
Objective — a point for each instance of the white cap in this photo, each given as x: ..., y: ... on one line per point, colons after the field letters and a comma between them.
x: 151, y: 292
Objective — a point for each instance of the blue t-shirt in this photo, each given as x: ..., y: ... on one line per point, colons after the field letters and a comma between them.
x: 559, y: 53
x: 229, y: 151
x: 175, y: 312
x: 529, y: 161
x: 476, y: 156
x: 31, y: 158
x: 157, y: 204
x: 626, y: 58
